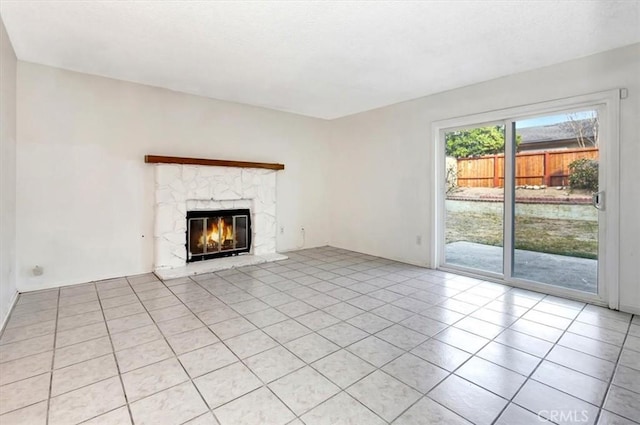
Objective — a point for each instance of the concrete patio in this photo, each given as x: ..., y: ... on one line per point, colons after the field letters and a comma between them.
x: 558, y: 270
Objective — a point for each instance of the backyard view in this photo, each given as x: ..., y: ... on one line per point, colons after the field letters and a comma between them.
x: 571, y: 237
x: 564, y: 236
x: 555, y: 226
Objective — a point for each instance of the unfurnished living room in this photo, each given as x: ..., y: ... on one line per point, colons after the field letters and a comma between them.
x: 320, y: 212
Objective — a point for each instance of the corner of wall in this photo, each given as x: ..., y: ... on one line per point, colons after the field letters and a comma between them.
x: 8, y: 82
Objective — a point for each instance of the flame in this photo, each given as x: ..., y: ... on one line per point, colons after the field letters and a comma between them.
x: 217, y: 234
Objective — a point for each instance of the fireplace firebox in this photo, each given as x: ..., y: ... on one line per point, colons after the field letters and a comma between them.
x: 221, y: 233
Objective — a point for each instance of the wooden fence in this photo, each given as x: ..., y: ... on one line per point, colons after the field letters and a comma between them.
x: 550, y: 168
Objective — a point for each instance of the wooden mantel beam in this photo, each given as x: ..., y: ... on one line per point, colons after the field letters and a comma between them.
x: 155, y: 159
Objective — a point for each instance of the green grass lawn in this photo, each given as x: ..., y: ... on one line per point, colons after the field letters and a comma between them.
x: 575, y: 238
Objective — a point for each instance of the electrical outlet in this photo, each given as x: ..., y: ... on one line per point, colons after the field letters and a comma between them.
x: 282, y: 230
x: 418, y: 240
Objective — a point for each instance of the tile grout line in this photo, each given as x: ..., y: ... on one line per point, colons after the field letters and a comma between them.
x: 472, y: 355
x: 574, y: 320
x: 529, y: 377
x: 538, y: 301
x: 376, y: 368
x: 115, y: 359
x: 392, y: 323
x: 164, y: 337
x: 53, y: 358
x: 432, y: 337
x: 466, y: 315
x: 266, y: 385
x: 340, y: 348
x: 615, y: 369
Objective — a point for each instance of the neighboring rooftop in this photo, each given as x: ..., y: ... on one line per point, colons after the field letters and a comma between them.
x: 559, y: 131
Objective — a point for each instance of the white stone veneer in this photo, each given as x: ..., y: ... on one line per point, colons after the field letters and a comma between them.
x: 182, y: 188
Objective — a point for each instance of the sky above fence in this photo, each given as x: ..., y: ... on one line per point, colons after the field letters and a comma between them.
x: 553, y: 119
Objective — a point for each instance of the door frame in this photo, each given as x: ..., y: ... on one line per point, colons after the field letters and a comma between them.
x: 609, y: 231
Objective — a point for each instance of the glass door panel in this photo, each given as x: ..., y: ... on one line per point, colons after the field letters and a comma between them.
x: 555, y: 224
x: 474, y: 198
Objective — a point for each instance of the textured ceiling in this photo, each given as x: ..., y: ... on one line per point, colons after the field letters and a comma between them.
x: 323, y: 59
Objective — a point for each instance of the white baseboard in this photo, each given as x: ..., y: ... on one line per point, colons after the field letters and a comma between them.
x: 12, y: 304
x: 219, y: 264
x: 630, y: 309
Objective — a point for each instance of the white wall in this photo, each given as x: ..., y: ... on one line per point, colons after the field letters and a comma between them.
x: 381, y: 165
x: 85, y: 196
x: 8, y: 64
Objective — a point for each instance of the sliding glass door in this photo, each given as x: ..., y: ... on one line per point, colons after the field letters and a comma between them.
x: 523, y: 199
x: 474, y: 197
x: 555, y: 200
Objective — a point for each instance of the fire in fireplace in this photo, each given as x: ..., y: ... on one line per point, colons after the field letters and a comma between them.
x: 221, y: 233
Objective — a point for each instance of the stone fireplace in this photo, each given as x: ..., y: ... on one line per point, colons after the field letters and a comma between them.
x: 205, y: 212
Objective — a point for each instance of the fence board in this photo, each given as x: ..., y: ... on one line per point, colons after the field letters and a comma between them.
x: 549, y: 168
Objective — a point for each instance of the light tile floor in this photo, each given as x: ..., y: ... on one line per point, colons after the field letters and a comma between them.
x: 326, y: 337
